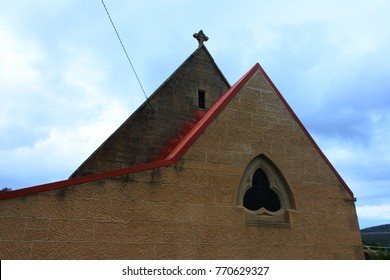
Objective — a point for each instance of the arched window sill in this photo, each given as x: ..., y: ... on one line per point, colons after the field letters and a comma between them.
x: 263, y: 217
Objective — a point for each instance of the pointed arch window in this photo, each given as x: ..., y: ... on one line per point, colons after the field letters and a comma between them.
x: 264, y: 194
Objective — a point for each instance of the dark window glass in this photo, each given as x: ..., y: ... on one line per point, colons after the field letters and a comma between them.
x: 260, y: 195
x: 201, y: 99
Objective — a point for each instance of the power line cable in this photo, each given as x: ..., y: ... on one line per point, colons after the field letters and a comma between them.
x: 127, y: 55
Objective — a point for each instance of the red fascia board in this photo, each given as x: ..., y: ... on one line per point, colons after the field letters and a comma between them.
x: 214, y: 111
x: 172, y: 158
x: 83, y: 179
x: 349, y: 191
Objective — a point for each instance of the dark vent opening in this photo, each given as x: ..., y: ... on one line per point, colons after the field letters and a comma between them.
x: 201, y: 100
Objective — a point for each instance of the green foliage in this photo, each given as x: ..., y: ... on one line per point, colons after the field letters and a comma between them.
x: 5, y: 190
x: 377, y: 254
x: 377, y: 242
x: 379, y: 239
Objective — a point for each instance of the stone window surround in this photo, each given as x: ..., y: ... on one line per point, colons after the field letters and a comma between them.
x: 278, y: 184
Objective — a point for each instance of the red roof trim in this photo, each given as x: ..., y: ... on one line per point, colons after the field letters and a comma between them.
x: 181, y: 147
x: 349, y: 191
x: 82, y: 180
x: 214, y: 111
x: 172, y: 158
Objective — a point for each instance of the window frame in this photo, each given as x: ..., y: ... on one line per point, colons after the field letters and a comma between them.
x: 277, y: 183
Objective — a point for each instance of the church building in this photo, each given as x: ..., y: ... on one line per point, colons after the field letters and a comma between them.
x: 201, y: 170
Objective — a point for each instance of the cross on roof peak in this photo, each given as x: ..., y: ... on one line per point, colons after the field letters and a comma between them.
x: 201, y: 37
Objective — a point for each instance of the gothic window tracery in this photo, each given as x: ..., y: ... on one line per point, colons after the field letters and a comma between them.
x: 264, y: 194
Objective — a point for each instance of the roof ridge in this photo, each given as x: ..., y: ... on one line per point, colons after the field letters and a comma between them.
x: 170, y: 159
x: 181, y: 147
x: 306, y: 132
x: 145, y: 103
x: 210, y: 115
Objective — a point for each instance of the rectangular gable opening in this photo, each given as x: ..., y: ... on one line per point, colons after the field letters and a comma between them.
x: 201, y: 99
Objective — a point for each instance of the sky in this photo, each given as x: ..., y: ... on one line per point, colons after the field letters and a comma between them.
x: 66, y: 85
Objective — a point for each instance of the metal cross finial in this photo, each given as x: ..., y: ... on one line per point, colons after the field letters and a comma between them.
x: 200, y: 37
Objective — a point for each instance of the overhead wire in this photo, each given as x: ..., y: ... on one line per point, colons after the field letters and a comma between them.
x: 127, y: 55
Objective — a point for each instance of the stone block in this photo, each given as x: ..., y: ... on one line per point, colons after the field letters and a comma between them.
x: 64, y: 251
x: 71, y: 230
x: 155, y: 192
x: 199, y: 153
x: 125, y: 251
x: 224, y: 215
x: 12, y: 228
x: 35, y: 234
x: 37, y: 223
x: 91, y: 209
x: 12, y: 250
x: 177, y: 251
x: 127, y: 231
x: 229, y: 158
x: 193, y: 194
x: 12, y: 208
x: 180, y: 232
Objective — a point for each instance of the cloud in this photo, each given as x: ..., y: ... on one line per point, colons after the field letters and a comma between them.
x: 18, y: 57
x: 364, y: 164
x: 55, y: 110
x: 21, y: 85
x: 371, y: 215
x: 379, y: 212
x: 60, y: 152
x: 361, y: 159
x: 57, y: 155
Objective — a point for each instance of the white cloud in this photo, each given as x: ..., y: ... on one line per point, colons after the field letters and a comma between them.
x: 62, y: 151
x: 55, y: 110
x: 364, y: 164
x: 377, y: 212
x: 22, y: 84
x: 18, y: 57
x: 373, y: 215
x: 361, y: 158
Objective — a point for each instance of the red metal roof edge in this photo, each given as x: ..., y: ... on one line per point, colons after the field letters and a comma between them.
x: 214, y: 111
x: 172, y: 158
x: 349, y: 191
x: 181, y: 147
x: 83, y: 179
